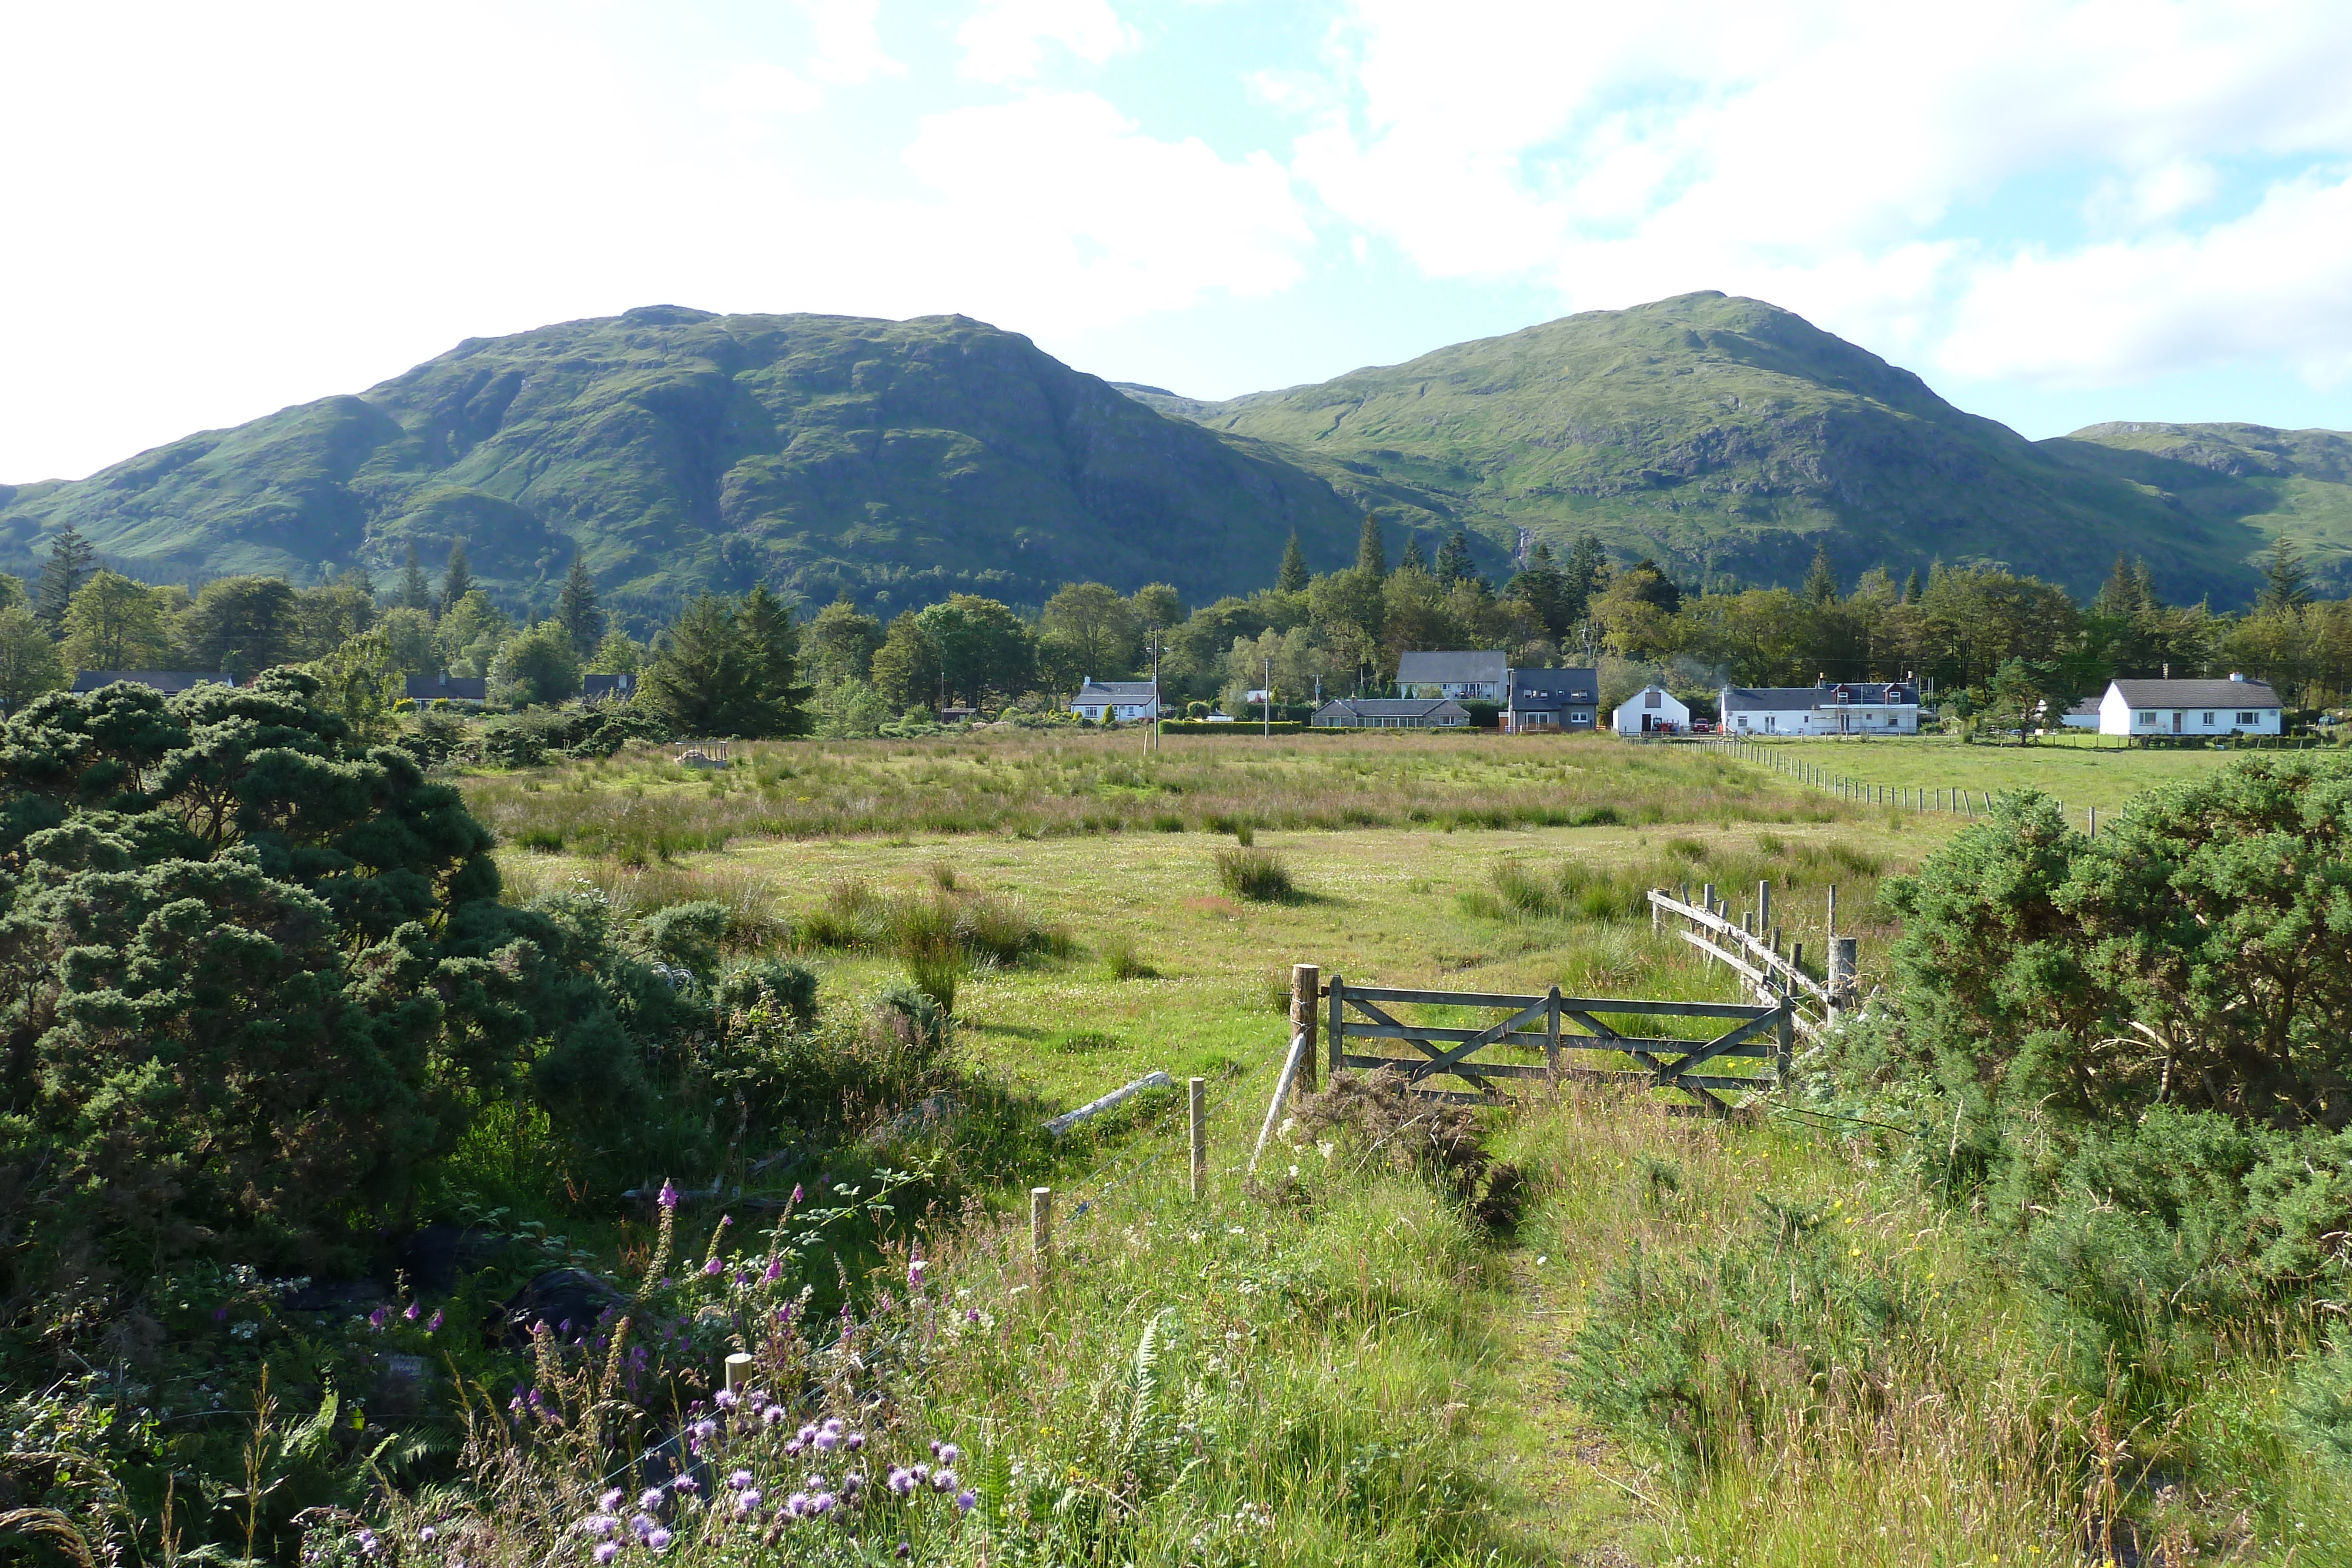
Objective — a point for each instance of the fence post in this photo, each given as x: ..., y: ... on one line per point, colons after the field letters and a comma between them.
x: 1041, y: 1232
x: 2094, y: 822
x: 738, y: 1372
x: 1339, y: 1035
x: 1830, y: 930
x: 1196, y: 1103
x: 1842, y: 965
x: 1305, y: 986
x: 1784, y: 1035
x: 1763, y: 904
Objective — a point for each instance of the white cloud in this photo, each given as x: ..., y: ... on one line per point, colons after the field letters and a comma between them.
x: 849, y: 50
x: 1834, y: 155
x: 748, y: 96
x: 1005, y: 40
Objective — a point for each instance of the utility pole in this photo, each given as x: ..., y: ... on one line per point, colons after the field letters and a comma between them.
x: 1267, y: 707
x: 1151, y: 735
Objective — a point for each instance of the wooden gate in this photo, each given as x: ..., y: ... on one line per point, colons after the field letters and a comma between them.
x: 1552, y: 1026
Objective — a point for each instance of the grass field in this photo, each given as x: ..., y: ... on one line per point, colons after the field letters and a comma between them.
x: 2076, y: 774
x: 1366, y: 1376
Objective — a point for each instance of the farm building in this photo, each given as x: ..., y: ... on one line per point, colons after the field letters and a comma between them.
x: 1653, y: 710
x: 2234, y: 706
x: 1840, y: 707
x: 1392, y: 713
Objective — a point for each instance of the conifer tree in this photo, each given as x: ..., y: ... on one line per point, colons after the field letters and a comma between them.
x: 1292, y: 578
x: 1453, y: 562
x: 1581, y: 578
x: 576, y: 609
x: 458, y: 580
x: 1413, y: 559
x: 414, y: 593
x: 2286, y: 583
x: 1821, y: 582
x: 1912, y: 591
x: 1372, y: 556
x: 69, y: 563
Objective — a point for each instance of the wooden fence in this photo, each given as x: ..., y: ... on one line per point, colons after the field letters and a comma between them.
x: 1535, y: 1038
x: 1751, y: 948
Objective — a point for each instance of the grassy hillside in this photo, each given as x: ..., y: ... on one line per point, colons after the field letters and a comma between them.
x: 679, y: 450
x: 1723, y: 435
x: 2293, y: 483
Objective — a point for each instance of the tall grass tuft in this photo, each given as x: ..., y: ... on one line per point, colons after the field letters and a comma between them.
x: 1258, y: 875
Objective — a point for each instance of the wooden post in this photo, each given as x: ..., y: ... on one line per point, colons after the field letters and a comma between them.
x: 1551, y: 1034
x: 1339, y: 1045
x: 1797, y: 956
x: 1784, y: 1034
x: 1842, y: 965
x: 1196, y: 1102
x: 2094, y: 822
x: 738, y: 1372
x: 1763, y: 904
x: 1830, y: 930
x: 1305, y: 986
x: 1708, y: 897
x: 1041, y: 1231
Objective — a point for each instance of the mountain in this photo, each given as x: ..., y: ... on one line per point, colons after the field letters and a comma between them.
x: 675, y: 450
x: 1728, y: 438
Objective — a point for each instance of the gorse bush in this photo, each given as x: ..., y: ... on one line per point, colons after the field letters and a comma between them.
x: 1258, y: 875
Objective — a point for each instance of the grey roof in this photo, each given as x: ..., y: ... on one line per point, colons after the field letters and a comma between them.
x: 167, y: 681
x: 1394, y: 707
x: 1439, y: 669
x: 608, y: 685
x: 2198, y: 693
x: 1571, y: 686
x: 1804, y: 699
x: 1115, y: 691
x: 457, y: 688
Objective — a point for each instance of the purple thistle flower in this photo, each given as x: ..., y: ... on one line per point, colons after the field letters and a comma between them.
x: 797, y: 1504
x: 668, y: 1196
x: 610, y: 1501
x: 599, y: 1525
x: 706, y: 1429
x: 641, y: 1523
x: 971, y: 1314
x: 606, y: 1551
x: 727, y: 1399
x: 650, y: 1499
x: 369, y: 1543
x: 943, y: 1481
x: 965, y: 1500
x: 773, y: 1415
x: 686, y: 1484
x: 807, y: 1432
x: 950, y: 1453
x: 823, y: 1502
x: 427, y: 1534
x: 920, y: 1473
x: 935, y: 1448
x: 900, y: 1481
x: 853, y: 1442
x: 793, y: 1446
x: 904, y: 1549
x: 827, y: 1441
x: 740, y: 1479
x: 747, y: 1502
x: 657, y: 1539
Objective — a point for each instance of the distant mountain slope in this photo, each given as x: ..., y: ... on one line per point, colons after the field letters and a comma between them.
x: 680, y: 450
x: 1723, y: 435
x: 2295, y: 484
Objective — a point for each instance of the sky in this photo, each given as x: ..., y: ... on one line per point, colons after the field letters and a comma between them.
x: 2059, y: 212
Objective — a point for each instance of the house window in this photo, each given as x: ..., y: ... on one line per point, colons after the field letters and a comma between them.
x: 2146, y: 717
x: 1650, y: 699
x: 2246, y: 719
x: 2209, y: 721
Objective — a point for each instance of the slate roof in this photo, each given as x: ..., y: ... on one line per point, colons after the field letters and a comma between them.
x: 169, y: 682
x: 1394, y: 707
x: 1438, y: 669
x: 2198, y: 693
x: 1572, y: 687
x: 1805, y: 699
x: 1114, y: 692
x: 597, y: 689
x: 457, y: 688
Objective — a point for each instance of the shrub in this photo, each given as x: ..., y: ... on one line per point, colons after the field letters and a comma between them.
x: 772, y: 983
x: 1125, y: 960
x: 1255, y: 874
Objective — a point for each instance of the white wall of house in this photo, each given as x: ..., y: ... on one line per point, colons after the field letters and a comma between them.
x: 1656, y: 705
x: 2117, y: 716
x: 1833, y: 719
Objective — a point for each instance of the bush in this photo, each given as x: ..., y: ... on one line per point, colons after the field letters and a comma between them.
x: 1255, y: 874
x: 785, y: 987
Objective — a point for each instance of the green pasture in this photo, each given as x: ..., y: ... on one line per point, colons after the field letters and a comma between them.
x: 2078, y: 771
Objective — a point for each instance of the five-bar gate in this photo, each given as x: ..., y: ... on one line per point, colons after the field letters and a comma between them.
x: 1553, y: 1025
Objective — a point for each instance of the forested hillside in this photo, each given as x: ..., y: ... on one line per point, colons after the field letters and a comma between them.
x: 677, y: 451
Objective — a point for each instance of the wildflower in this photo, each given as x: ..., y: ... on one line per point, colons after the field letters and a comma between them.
x: 667, y: 1198
x: 792, y: 1448
x: 427, y: 1534
x: 950, y: 1453
x: 726, y: 1398
x: 827, y: 1441
x: 657, y: 1539
x: 743, y: 1276
x: 775, y: 1271
x: 610, y: 1501
x: 706, y: 1429
x: 599, y: 1525
x: 965, y: 1500
x: 740, y: 1479
x: 853, y: 1483
x: 920, y: 1473
x: 686, y: 1484
x: 915, y: 1274
x: 853, y: 1442
x: 606, y: 1551
x: 823, y: 1502
x: 220, y: 1314
x: 971, y: 1314
x: 369, y: 1543
x: 378, y: 1318
x: 651, y: 1499
x: 796, y: 1192
x: 725, y: 1220
x: 900, y: 1481
x: 935, y: 1448
x: 411, y: 1314
x: 433, y: 1322
x: 797, y: 1504
x: 808, y: 1431
x: 773, y: 1415
x: 943, y: 1481
x: 643, y: 1524
x: 748, y: 1502
x: 904, y: 1550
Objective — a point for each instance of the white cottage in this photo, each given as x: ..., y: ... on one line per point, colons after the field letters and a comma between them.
x: 2234, y: 706
x: 1653, y: 710
x: 1126, y: 701
x: 1841, y: 708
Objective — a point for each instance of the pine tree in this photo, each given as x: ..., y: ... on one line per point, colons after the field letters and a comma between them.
x: 1587, y: 563
x: 1292, y: 578
x: 1453, y: 562
x: 1542, y: 587
x: 1372, y: 556
x: 1911, y: 589
x: 69, y: 563
x: 772, y: 639
x: 414, y: 593
x: 1413, y: 559
x: 576, y: 609
x: 458, y: 580
x: 1821, y: 582
x: 2287, y: 583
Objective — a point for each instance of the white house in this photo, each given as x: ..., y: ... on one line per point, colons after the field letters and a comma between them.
x: 1392, y: 713
x: 1651, y: 709
x: 1126, y: 701
x: 1476, y: 676
x: 2234, y: 706
x: 1843, y: 707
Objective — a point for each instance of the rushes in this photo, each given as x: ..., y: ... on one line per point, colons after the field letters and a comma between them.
x: 940, y: 936
x: 1258, y: 875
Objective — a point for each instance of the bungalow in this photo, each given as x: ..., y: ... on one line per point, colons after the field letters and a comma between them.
x: 1480, y: 676
x: 457, y: 688
x: 1653, y: 710
x: 170, y: 683
x: 1392, y: 713
x: 1553, y: 699
x: 1842, y: 708
x: 2234, y: 706
x: 1126, y: 701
